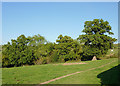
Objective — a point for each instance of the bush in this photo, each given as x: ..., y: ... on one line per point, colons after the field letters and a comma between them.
x: 61, y: 59
x: 17, y: 53
x: 108, y: 56
x: 54, y: 57
x: 40, y: 61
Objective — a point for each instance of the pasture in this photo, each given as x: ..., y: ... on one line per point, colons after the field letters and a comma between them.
x: 36, y: 74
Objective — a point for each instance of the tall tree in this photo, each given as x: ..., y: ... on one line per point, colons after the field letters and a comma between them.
x: 36, y: 40
x: 17, y: 53
x: 96, y: 38
x: 67, y: 48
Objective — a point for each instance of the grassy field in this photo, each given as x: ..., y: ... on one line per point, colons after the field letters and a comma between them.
x: 40, y: 73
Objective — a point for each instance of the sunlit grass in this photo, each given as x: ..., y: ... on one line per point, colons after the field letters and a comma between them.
x: 37, y: 74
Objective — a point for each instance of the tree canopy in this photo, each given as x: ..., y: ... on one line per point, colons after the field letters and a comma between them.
x: 19, y: 52
x: 68, y: 49
x: 96, y: 38
x: 37, y: 50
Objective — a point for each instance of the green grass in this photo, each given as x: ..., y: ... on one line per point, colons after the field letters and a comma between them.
x: 40, y: 73
x: 92, y: 77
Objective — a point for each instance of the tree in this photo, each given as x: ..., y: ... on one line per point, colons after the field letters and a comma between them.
x: 36, y: 40
x: 44, y: 50
x: 96, y: 38
x: 67, y: 48
x: 43, y: 53
x: 18, y: 53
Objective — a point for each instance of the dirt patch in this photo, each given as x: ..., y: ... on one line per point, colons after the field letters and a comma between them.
x: 73, y: 63
x: 70, y: 63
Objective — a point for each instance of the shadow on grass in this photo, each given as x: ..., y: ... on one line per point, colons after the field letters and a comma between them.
x: 110, y: 77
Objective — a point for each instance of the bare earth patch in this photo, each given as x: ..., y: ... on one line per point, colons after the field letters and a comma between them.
x: 72, y: 63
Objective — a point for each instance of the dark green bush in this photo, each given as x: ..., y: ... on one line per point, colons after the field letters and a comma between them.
x: 54, y: 57
x: 19, y: 52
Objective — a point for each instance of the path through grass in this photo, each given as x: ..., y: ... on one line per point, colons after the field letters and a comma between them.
x: 40, y: 73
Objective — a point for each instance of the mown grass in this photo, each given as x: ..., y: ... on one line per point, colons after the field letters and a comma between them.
x: 96, y: 76
x: 40, y: 73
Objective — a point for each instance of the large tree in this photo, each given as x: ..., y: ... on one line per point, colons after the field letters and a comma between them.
x: 67, y: 48
x: 21, y: 51
x: 97, y: 38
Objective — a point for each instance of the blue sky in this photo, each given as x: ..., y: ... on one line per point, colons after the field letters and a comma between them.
x: 50, y: 19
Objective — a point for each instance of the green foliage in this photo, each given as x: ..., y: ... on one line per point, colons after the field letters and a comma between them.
x: 54, y: 56
x: 67, y: 48
x: 0, y: 56
x: 115, y: 46
x: 41, y: 61
x: 37, y: 50
x: 110, y: 54
x: 95, y: 40
x: 36, y: 40
x: 44, y: 51
x: 18, y: 53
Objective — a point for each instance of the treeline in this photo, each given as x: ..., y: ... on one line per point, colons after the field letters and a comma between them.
x: 37, y: 50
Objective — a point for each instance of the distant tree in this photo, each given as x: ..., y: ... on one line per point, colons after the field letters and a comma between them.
x: 43, y: 53
x: 44, y: 50
x: 67, y: 48
x: 37, y: 44
x: 18, y: 52
x: 96, y: 41
x: 36, y: 40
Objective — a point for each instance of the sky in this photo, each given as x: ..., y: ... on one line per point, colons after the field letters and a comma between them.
x: 50, y: 19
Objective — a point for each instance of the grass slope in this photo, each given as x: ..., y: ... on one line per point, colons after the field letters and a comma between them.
x: 96, y: 76
x: 40, y: 73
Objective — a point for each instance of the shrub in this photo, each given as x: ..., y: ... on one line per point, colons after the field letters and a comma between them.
x: 54, y: 57
x: 18, y: 53
x: 40, y: 61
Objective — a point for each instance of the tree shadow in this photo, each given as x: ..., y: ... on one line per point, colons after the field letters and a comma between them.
x: 110, y: 77
x: 88, y: 58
